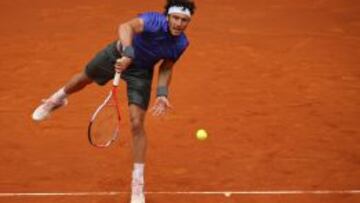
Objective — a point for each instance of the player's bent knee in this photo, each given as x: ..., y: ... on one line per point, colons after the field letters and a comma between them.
x: 137, y: 125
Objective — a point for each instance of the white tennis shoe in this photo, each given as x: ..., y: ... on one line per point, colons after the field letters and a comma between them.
x: 43, y: 111
x: 137, y: 191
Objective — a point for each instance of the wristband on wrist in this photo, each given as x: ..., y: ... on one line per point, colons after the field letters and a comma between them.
x: 128, y: 51
x: 162, y: 91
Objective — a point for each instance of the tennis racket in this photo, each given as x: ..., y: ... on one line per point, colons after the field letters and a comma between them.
x: 104, y: 123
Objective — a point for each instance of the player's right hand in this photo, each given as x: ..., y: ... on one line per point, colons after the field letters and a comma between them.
x: 122, y: 63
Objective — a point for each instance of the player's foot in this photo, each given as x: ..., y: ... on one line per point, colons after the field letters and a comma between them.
x: 43, y: 111
x: 137, y: 191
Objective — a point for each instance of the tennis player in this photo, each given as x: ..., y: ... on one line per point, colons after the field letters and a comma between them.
x: 142, y: 42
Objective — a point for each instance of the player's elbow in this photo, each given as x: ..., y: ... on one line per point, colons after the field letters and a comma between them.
x: 124, y: 27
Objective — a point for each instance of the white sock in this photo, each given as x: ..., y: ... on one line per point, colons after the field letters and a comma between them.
x: 138, y: 171
x: 59, y: 95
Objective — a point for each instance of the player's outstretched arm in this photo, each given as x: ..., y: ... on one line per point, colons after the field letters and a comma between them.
x: 162, y: 103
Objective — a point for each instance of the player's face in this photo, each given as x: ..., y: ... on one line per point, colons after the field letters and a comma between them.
x: 178, y: 23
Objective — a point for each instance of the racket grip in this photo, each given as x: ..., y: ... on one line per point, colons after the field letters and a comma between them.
x: 116, y: 80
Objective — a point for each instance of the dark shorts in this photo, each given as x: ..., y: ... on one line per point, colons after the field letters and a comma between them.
x: 138, y: 80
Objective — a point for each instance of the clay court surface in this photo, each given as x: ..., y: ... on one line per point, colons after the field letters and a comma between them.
x: 275, y: 83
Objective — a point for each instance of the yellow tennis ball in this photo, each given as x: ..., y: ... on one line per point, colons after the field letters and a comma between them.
x: 201, y: 134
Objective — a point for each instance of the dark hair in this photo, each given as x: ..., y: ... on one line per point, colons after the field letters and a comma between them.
x: 189, y: 4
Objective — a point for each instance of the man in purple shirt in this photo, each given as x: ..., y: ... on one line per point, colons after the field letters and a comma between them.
x: 143, y: 41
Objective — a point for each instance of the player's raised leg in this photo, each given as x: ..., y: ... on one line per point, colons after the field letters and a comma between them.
x: 137, y: 116
x: 59, y: 98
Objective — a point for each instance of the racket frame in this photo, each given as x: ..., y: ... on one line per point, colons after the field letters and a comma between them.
x: 113, y: 95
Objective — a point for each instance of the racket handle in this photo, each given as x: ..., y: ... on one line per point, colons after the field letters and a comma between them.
x: 116, y: 80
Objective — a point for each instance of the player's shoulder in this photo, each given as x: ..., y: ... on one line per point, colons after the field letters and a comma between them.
x: 153, y: 21
x: 153, y: 16
x: 182, y: 42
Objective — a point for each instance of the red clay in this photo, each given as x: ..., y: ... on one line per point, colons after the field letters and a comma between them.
x: 275, y: 83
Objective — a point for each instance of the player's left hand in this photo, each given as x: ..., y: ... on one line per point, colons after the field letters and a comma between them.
x: 161, y: 105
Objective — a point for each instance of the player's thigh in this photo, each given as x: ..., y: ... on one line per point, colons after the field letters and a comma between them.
x: 138, y: 86
x: 101, y: 67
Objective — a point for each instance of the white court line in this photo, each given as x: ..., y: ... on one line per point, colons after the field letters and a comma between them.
x: 226, y: 193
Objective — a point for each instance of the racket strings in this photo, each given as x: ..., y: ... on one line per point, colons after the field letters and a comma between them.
x: 105, y: 127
